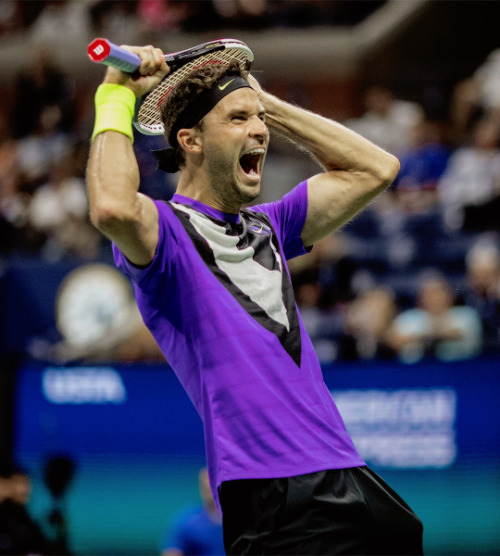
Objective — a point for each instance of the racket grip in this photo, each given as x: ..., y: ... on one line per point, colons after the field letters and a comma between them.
x: 103, y: 51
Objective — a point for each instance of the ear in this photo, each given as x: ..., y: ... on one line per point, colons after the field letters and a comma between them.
x: 190, y: 140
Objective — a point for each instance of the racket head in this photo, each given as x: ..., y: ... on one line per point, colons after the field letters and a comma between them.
x: 147, y: 118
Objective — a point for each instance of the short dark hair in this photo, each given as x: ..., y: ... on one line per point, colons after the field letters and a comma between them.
x: 188, y: 89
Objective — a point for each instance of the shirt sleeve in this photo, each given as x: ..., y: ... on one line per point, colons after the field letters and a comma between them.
x: 288, y: 216
x: 147, y: 277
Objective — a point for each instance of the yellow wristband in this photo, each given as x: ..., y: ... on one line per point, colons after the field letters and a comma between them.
x: 114, y: 109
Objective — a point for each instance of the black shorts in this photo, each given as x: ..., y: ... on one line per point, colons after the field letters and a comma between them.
x: 342, y: 511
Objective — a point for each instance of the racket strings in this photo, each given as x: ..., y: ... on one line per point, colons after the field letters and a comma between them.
x: 149, y: 113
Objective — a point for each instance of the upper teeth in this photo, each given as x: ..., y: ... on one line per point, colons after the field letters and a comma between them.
x: 256, y: 151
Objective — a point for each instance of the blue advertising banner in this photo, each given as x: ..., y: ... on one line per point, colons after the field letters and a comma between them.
x: 431, y: 430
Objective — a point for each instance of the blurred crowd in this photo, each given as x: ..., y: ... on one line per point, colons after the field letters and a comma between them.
x: 52, y: 20
x: 416, y: 274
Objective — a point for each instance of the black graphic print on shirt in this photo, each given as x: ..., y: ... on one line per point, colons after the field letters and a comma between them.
x: 246, y: 259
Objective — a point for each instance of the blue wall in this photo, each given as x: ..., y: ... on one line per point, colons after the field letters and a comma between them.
x: 431, y: 430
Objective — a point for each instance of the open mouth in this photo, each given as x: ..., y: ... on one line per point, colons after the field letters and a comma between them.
x: 250, y: 162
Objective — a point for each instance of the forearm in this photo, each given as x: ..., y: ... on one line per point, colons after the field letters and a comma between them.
x: 113, y: 175
x: 332, y: 144
x: 355, y: 170
x: 117, y: 209
x: 112, y: 179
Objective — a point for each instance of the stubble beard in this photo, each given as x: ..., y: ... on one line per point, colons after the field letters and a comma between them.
x: 227, y: 188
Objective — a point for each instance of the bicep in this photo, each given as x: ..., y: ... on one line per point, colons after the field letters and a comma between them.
x: 333, y: 198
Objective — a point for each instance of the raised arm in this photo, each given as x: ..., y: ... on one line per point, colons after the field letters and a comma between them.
x: 356, y: 170
x: 117, y: 209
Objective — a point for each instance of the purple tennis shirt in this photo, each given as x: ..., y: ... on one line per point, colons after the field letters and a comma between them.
x: 218, y: 299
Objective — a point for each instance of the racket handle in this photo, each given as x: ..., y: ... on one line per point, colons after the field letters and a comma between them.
x: 103, y: 51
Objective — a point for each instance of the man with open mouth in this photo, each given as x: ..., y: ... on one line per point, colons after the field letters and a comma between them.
x: 212, y: 285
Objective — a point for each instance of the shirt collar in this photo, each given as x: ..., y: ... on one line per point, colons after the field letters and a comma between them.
x: 205, y: 209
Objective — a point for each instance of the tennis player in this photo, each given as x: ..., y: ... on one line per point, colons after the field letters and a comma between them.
x: 212, y: 285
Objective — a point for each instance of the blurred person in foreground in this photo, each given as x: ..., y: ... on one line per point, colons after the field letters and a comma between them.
x: 197, y: 531
x: 19, y: 532
x: 212, y: 285
x: 437, y: 327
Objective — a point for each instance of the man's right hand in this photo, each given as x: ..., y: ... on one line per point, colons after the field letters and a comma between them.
x: 152, y: 70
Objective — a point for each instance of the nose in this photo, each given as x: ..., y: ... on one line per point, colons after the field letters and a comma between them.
x: 259, y: 129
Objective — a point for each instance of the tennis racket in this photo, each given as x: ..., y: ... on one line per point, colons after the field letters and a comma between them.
x: 147, y: 112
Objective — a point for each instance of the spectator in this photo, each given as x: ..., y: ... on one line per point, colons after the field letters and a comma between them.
x: 478, y: 95
x: 61, y: 22
x: 42, y: 120
x: 15, y: 198
x: 322, y: 284
x: 249, y: 14
x: 19, y: 533
x: 329, y: 264
x: 325, y: 326
x: 482, y: 291
x: 436, y: 328
x: 59, y: 211
x: 197, y: 531
x: 387, y: 121
x: 422, y: 165
x: 39, y: 92
x: 472, y: 179
x: 10, y: 19
x: 160, y: 16
x: 58, y: 474
x: 12, y: 210
x: 8, y: 152
x: 116, y: 19
x: 369, y: 318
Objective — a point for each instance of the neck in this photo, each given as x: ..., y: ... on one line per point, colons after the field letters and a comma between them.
x: 196, y: 186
